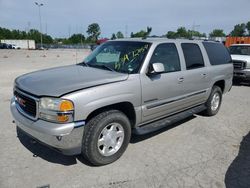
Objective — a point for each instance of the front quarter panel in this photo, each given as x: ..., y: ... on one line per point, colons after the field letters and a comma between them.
x: 88, y: 100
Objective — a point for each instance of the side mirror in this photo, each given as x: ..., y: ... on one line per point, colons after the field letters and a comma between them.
x: 156, y: 68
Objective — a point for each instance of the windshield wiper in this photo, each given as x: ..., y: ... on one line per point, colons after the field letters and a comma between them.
x: 83, y: 63
x: 102, y: 66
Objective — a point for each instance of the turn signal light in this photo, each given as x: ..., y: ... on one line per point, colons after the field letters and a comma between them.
x: 66, y: 105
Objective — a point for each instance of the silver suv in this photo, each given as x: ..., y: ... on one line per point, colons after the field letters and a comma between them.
x: 123, y: 87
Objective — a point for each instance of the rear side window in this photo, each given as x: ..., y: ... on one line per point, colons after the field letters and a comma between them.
x: 217, y: 53
x: 193, y: 56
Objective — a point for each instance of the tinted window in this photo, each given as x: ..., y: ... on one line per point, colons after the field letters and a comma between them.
x: 193, y: 56
x: 167, y: 55
x: 217, y: 53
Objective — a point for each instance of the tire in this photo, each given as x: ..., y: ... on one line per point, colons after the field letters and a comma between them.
x: 214, y: 101
x: 106, y: 137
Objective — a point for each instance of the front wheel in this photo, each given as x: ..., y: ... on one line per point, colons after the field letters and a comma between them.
x: 106, y: 137
x: 214, y: 101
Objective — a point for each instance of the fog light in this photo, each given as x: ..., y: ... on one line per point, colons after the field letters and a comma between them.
x: 62, y: 118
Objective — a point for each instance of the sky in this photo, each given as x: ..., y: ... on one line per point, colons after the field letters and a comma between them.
x: 61, y: 18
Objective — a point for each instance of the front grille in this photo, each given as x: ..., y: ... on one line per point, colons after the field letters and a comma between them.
x: 27, y: 104
x: 239, y: 65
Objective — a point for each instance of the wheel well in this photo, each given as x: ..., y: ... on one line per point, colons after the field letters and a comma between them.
x: 220, y: 84
x: 126, y: 107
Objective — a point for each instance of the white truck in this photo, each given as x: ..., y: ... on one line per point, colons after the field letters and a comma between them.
x: 240, y: 54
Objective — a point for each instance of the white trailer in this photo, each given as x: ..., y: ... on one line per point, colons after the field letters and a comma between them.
x: 23, y: 44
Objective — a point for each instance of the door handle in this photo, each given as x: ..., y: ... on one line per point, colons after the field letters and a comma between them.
x: 180, y: 80
x: 204, y: 75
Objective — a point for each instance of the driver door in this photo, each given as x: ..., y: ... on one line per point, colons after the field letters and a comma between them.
x: 160, y: 92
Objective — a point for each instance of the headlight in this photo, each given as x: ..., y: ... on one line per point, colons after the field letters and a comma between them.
x: 248, y: 65
x: 56, y: 109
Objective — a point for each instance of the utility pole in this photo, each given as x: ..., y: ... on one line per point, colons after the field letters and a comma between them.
x: 40, y: 19
x: 193, y: 28
x: 126, y: 31
x: 69, y: 30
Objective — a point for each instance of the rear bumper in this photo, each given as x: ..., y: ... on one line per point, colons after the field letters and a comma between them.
x: 65, y: 138
x: 245, y: 73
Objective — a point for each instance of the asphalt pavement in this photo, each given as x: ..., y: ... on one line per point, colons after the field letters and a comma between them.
x: 197, y: 152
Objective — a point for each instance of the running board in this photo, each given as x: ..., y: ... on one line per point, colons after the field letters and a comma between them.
x: 159, y: 124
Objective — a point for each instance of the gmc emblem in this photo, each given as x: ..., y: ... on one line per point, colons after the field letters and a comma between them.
x: 20, y: 101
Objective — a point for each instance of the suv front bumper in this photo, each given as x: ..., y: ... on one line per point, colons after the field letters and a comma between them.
x: 245, y: 73
x: 65, y: 138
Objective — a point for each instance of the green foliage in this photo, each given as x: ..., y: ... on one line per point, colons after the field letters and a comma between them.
x: 142, y: 33
x: 33, y: 34
x: 119, y: 35
x: 94, y: 32
x: 248, y: 28
x: 47, y: 39
x: 76, y: 39
x: 113, y: 37
x: 217, y: 33
x: 171, y: 35
x: 183, y: 33
x: 149, y: 30
x: 239, y: 30
x: 5, y: 33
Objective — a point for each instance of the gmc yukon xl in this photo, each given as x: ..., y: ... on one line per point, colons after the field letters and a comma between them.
x: 122, y: 87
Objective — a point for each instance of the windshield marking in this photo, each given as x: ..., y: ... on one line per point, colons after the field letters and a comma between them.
x: 134, y: 53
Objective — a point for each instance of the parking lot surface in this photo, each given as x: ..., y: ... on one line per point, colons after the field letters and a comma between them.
x: 197, y: 152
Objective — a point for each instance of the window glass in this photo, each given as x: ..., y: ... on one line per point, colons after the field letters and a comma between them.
x: 109, y: 54
x: 217, y: 53
x: 193, y: 56
x: 240, y: 50
x: 119, y: 56
x: 167, y: 54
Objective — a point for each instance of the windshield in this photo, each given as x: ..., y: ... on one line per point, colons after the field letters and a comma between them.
x: 119, y: 56
x: 240, y: 50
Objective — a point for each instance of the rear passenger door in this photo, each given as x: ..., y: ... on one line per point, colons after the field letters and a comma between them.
x: 196, y: 78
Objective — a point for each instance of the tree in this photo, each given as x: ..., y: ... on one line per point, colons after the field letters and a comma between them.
x: 33, y: 34
x: 182, y: 33
x: 47, y: 39
x: 149, y: 30
x: 113, y: 37
x: 248, y: 27
x: 119, y: 35
x: 217, y: 33
x: 239, y: 30
x: 142, y: 33
x: 139, y: 34
x: 94, y: 31
x: 171, y: 35
x: 192, y: 33
x: 76, y: 39
x: 5, y: 33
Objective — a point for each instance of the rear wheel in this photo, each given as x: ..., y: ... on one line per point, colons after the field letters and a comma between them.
x: 106, y: 137
x: 214, y: 101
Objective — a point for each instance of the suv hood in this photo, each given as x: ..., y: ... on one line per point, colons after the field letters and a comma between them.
x: 241, y: 57
x: 58, y: 81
